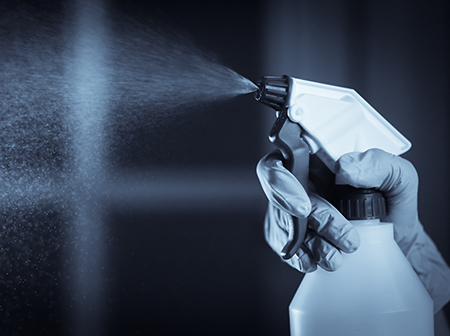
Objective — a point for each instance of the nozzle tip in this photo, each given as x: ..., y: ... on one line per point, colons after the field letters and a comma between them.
x: 273, y: 91
x: 259, y: 92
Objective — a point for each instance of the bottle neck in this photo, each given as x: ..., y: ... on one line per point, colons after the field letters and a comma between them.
x: 373, y: 231
x: 365, y: 222
x: 358, y: 203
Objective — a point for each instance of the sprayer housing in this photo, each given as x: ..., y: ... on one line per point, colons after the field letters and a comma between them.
x: 334, y: 120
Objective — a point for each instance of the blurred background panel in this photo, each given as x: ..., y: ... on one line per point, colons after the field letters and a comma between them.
x: 163, y: 231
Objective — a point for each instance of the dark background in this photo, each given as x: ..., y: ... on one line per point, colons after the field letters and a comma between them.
x: 180, y: 249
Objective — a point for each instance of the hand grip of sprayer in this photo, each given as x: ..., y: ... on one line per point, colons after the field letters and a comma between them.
x: 285, y: 134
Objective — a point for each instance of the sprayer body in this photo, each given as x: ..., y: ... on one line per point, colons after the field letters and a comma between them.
x: 375, y: 292
x: 333, y: 120
x: 337, y: 120
x: 325, y: 120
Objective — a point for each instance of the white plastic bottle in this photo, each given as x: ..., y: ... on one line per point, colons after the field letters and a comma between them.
x: 374, y: 293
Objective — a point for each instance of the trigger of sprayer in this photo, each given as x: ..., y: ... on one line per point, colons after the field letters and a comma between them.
x: 274, y: 91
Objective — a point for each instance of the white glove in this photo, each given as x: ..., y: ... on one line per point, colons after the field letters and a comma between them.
x: 393, y: 175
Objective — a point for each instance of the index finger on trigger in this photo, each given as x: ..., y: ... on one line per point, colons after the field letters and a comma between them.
x: 281, y: 187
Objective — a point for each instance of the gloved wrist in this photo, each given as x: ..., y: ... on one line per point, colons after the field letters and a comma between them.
x: 431, y: 268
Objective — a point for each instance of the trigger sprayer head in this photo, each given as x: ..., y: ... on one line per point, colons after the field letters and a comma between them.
x: 273, y: 91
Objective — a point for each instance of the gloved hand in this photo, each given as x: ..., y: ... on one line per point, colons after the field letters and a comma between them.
x: 329, y: 233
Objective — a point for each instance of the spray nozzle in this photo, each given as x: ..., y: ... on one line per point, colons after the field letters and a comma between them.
x: 273, y: 91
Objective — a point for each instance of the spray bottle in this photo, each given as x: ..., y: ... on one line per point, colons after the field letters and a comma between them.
x: 376, y: 291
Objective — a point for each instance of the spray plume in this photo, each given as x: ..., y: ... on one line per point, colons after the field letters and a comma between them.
x: 63, y: 86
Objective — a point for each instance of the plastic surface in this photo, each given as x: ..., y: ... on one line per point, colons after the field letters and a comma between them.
x: 338, y: 120
x: 375, y: 292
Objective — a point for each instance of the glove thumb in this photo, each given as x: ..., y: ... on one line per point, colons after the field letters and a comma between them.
x: 394, y: 176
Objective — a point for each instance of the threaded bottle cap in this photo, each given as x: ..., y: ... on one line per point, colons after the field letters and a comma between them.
x: 359, y: 203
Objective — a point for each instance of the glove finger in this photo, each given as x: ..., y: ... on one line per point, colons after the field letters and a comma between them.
x: 315, y: 250
x: 281, y: 187
x: 332, y: 226
x: 325, y: 254
x: 276, y: 234
x: 306, y: 262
